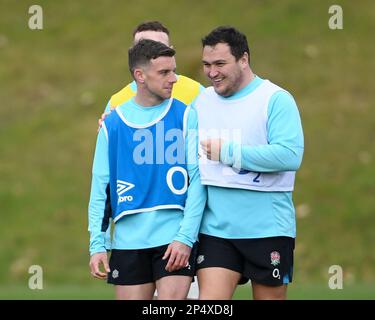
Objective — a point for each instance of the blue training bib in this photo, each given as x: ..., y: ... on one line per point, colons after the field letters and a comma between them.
x: 147, y: 163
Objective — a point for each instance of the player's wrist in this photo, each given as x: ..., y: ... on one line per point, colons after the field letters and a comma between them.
x: 183, y: 241
x: 98, y: 250
x: 226, y: 153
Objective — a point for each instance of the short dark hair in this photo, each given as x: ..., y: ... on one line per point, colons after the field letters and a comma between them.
x: 145, y: 50
x: 151, y: 26
x: 235, y: 39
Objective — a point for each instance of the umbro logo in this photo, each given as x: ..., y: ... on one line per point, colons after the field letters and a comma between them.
x: 123, y: 186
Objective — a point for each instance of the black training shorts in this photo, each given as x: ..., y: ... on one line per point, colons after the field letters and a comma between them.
x: 131, y: 267
x: 267, y: 261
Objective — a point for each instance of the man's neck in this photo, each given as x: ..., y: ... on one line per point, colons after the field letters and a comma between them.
x: 248, y: 77
x: 147, y: 100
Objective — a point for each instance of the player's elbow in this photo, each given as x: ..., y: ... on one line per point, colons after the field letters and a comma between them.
x: 295, y: 160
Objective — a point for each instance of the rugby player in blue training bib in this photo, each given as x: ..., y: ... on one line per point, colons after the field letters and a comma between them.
x: 185, y: 90
x: 146, y: 153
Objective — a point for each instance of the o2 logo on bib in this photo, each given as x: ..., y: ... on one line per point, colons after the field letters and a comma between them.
x: 244, y: 171
x: 178, y: 190
x: 241, y: 171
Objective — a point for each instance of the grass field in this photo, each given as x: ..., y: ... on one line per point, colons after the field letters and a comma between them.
x: 54, y: 84
x: 296, y: 292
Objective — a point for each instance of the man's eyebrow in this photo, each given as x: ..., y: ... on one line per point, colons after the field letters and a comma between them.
x: 215, y: 61
x: 167, y: 69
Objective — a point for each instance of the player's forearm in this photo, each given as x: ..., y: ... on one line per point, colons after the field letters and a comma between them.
x: 194, y: 207
x: 96, y: 243
x: 264, y: 158
x: 96, y: 214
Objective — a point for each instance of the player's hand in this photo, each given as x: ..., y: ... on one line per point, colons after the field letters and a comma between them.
x: 96, y: 260
x: 178, y: 254
x: 212, y: 148
x: 104, y: 115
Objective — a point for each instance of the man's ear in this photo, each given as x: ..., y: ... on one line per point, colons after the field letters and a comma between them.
x: 245, y: 59
x: 138, y: 75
